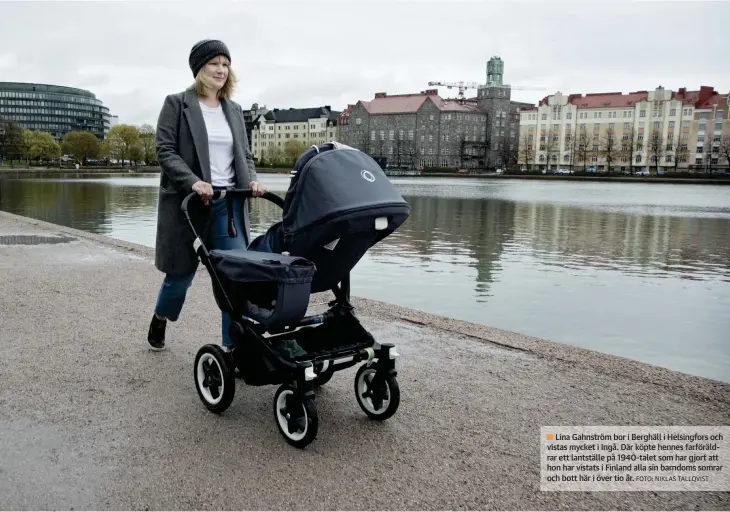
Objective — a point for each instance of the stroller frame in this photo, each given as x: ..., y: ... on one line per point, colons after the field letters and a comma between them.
x: 253, y: 358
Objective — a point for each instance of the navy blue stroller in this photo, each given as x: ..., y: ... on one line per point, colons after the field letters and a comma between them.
x: 339, y: 204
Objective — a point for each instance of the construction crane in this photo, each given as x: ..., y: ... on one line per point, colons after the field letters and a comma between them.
x: 463, y: 86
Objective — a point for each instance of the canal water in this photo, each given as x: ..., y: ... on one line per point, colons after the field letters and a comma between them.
x: 636, y: 270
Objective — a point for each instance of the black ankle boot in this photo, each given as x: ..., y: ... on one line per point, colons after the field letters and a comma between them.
x: 156, y: 333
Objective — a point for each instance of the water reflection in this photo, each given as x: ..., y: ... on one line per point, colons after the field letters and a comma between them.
x: 639, y: 271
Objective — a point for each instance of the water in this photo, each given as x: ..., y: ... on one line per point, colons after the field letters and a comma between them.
x: 636, y: 270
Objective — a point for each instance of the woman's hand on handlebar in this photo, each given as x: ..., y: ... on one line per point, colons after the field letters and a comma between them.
x: 257, y: 189
x: 204, y: 190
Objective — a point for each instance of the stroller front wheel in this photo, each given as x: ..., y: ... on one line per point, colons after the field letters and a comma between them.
x: 214, y: 378
x: 296, y: 419
x: 378, y: 397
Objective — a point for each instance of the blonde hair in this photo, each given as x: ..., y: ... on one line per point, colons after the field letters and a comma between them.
x: 225, y: 92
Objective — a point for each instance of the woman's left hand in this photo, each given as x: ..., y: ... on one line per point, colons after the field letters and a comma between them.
x: 257, y: 188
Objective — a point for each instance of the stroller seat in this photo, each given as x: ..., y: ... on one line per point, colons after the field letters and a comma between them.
x: 338, y: 205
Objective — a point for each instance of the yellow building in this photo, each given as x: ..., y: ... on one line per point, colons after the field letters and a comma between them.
x: 655, y: 131
x: 311, y: 126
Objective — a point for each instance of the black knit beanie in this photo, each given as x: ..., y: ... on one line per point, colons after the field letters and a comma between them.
x: 205, y: 50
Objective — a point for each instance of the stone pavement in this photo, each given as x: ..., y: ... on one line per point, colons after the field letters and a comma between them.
x: 89, y: 418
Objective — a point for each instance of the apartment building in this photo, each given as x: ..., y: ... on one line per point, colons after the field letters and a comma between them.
x: 309, y: 125
x: 659, y: 130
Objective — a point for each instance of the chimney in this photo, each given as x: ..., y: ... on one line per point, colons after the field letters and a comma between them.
x: 432, y: 92
x: 380, y: 95
x: 705, y: 93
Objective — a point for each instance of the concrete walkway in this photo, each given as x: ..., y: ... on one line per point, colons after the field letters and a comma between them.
x: 89, y: 418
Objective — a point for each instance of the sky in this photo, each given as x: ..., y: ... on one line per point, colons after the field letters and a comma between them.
x: 132, y: 53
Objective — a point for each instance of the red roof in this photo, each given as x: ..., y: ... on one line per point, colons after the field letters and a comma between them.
x: 411, y: 103
x: 706, y: 97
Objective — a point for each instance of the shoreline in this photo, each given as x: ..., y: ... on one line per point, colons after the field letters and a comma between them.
x: 703, y: 388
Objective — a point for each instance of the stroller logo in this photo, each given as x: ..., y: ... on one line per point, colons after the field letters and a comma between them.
x: 367, y: 175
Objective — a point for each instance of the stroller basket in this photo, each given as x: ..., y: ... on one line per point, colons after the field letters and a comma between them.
x: 272, y: 289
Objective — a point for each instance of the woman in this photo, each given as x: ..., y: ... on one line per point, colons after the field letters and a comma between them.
x: 201, y: 145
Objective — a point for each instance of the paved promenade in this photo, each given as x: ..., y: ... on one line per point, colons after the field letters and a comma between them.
x: 90, y: 419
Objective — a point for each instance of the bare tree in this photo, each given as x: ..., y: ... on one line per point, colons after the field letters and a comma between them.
x: 552, y: 146
x: 582, y: 142
x: 628, y: 148
x: 527, y: 150
x: 681, y: 153
x: 608, y: 149
x: 656, y: 148
x: 725, y: 149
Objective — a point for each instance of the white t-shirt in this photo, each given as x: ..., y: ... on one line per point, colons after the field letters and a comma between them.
x: 220, y: 146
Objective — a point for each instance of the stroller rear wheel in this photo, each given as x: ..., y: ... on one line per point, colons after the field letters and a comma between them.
x: 377, y: 397
x: 296, y: 419
x: 214, y: 378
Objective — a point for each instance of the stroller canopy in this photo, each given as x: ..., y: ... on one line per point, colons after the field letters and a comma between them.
x: 333, y: 181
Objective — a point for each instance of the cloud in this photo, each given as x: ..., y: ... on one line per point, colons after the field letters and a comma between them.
x: 298, y: 54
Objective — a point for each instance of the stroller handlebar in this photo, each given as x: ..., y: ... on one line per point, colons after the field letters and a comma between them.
x: 234, y: 193
x: 229, y: 195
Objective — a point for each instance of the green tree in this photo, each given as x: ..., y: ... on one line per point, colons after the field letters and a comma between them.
x: 293, y: 149
x: 26, y: 140
x: 81, y: 145
x: 11, y: 140
x: 120, y: 140
x: 147, y: 141
x: 44, y: 147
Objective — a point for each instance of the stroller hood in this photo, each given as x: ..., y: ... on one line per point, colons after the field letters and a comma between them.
x: 334, y: 181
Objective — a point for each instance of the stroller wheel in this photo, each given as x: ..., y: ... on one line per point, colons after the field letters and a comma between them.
x: 214, y: 378
x: 379, y: 401
x: 297, y: 420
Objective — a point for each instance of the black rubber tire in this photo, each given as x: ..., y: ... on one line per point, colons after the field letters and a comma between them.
x: 393, y: 392
x: 311, y: 419
x: 224, y: 375
x: 323, y: 378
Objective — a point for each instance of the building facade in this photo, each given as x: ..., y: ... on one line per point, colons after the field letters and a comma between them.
x: 276, y: 127
x: 53, y: 109
x: 425, y: 130
x: 655, y: 131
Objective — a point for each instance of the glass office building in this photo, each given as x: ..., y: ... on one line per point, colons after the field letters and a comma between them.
x: 53, y: 109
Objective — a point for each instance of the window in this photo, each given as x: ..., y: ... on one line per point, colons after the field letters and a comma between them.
x: 638, y: 159
x: 718, y: 114
x: 656, y: 125
x: 544, y: 117
x: 569, y: 115
x: 671, y: 124
x: 596, y: 126
x: 642, y: 113
x: 610, y: 126
x: 627, y: 126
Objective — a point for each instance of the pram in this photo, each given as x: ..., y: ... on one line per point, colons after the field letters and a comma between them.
x: 338, y: 205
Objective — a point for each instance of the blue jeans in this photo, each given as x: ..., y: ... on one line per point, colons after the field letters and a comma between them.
x: 174, y: 289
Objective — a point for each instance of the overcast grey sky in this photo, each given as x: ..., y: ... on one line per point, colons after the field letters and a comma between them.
x: 307, y: 53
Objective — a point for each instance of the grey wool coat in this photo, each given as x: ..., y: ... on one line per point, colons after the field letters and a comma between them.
x: 181, y: 145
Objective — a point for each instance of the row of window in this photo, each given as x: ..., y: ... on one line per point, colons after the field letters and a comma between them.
x: 55, y: 104
x: 290, y: 135
x: 49, y: 96
x: 41, y: 114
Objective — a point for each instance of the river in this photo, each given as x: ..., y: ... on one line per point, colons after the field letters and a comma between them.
x: 636, y: 270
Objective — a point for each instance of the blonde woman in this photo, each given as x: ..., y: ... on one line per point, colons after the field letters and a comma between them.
x: 201, y: 145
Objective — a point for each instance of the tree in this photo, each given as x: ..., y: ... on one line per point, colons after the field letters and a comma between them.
x: 81, y: 145
x: 608, y: 148
x: 120, y: 140
x: 11, y: 140
x: 656, y: 148
x: 147, y: 142
x: 680, y: 153
x: 293, y: 150
x: 44, y: 147
x: 552, y: 146
x: 582, y: 143
x: 628, y: 148
x: 527, y: 150
x: 725, y: 149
